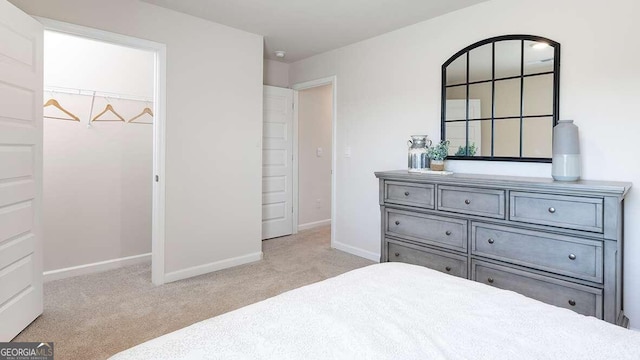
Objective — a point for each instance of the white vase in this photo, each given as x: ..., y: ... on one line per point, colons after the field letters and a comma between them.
x: 566, y: 152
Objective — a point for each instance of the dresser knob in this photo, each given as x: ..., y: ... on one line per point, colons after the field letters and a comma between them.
x: 467, y: 201
x: 490, y: 280
x: 397, y: 254
x: 490, y: 241
x: 552, y: 210
x: 406, y: 193
x: 572, y: 302
x: 572, y: 256
x: 448, y: 268
x: 448, y: 232
x: 397, y: 222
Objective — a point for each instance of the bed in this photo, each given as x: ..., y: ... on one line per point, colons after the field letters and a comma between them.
x: 395, y: 311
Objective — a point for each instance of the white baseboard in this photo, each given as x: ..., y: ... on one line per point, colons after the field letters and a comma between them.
x: 314, y: 224
x: 95, y: 267
x: 356, y: 251
x: 210, y: 267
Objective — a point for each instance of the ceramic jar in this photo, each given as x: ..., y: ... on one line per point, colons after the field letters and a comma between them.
x: 566, y: 152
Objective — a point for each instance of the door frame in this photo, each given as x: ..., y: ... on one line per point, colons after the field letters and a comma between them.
x: 333, y: 81
x: 159, y: 126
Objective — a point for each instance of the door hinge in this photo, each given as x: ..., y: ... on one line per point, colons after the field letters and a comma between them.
x: 157, y: 178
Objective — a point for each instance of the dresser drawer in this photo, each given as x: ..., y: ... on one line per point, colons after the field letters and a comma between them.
x: 564, y: 255
x: 421, y: 195
x: 570, y: 212
x: 579, y: 298
x: 433, y: 259
x: 474, y: 201
x: 427, y: 229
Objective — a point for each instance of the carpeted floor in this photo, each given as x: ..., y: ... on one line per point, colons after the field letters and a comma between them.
x: 95, y: 316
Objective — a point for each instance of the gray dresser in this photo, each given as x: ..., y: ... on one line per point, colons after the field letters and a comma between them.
x: 558, y: 242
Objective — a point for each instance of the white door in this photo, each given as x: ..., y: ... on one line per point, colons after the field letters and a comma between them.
x: 277, y: 162
x: 20, y: 170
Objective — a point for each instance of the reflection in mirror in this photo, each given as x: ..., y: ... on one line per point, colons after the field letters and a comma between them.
x: 538, y: 100
x: 507, y: 107
x: 508, y: 58
x: 507, y: 101
x: 458, y: 138
x: 456, y: 103
x: 480, y: 67
x: 509, y: 144
x: 538, y: 57
x: 482, y: 93
x: 457, y: 71
x: 537, y: 134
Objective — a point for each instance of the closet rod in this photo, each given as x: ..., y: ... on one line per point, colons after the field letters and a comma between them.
x: 86, y: 92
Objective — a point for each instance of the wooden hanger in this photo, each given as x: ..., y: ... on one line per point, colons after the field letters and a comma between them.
x: 108, y: 108
x: 145, y: 111
x: 54, y: 103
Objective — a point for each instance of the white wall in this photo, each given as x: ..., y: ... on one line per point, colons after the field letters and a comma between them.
x: 315, y: 112
x: 389, y: 88
x: 214, y: 100
x: 276, y: 73
x: 97, y: 181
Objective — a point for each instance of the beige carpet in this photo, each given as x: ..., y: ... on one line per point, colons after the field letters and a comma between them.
x: 95, y: 316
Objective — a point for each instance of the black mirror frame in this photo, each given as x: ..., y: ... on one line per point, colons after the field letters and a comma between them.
x: 493, y: 40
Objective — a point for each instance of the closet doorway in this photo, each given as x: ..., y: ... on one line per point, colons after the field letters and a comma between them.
x: 315, y: 154
x: 103, y: 152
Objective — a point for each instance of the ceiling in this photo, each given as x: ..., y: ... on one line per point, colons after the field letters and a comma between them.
x: 304, y: 28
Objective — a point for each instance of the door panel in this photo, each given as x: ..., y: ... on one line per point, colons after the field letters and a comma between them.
x: 21, y: 40
x: 277, y: 162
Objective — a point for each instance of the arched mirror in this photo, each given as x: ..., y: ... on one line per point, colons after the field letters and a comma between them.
x: 500, y: 99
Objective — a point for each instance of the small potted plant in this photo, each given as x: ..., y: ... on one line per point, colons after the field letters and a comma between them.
x: 437, y: 154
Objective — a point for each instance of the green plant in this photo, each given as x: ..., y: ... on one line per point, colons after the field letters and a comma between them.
x: 439, y: 152
x: 462, y: 150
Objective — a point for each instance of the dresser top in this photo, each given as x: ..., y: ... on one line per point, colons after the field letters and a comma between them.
x: 612, y: 187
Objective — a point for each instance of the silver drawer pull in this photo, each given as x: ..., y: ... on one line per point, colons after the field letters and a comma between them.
x: 490, y: 241
x: 572, y: 302
x: 397, y: 254
x: 406, y: 193
x: 572, y: 256
x: 397, y: 222
x: 467, y: 201
x: 490, y: 280
x: 448, y: 232
x: 448, y: 268
x: 552, y: 210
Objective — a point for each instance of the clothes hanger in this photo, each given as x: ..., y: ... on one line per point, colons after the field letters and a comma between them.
x: 147, y: 111
x: 56, y: 104
x: 108, y: 108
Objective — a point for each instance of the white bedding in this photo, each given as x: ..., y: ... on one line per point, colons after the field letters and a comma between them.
x: 395, y: 311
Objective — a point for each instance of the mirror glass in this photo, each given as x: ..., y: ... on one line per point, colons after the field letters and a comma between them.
x: 503, y: 105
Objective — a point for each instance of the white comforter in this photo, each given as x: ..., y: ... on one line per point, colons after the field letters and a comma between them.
x: 395, y: 311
